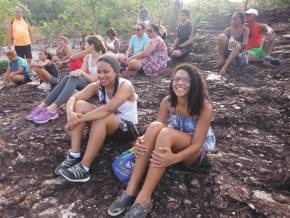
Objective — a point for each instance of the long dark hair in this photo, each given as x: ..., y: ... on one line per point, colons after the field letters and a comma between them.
x: 97, y: 42
x: 115, y: 65
x: 198, y: 90
x: 155, y: 28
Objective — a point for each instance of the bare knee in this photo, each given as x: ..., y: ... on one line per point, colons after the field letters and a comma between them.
x: 82, y: 107
x: 134, y: 65
x: 167, y: 135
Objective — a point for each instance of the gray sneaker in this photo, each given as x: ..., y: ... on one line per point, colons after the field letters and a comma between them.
x: 120, y: 204
x: 138, y: 211
x: 67, y: 163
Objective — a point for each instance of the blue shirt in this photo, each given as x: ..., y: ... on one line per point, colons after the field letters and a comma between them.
x: 20, y: 62
x: 138, y: 44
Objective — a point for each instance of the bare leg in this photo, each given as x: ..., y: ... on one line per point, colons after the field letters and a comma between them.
x: 98, y: 132
x: 141, y: 163
x: 77, y: 132
x: 270, y: 45
x: 235, y: 52
x: 17, y: 78
x: 174, y: 140
x: 29, y: 60
x: 134, y: 65
x: 222, y: 44
x: 43, y: 74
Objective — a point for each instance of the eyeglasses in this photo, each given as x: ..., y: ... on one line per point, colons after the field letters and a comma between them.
x: 137, y: 29
x: 149, y: 31
x: 186, y: 80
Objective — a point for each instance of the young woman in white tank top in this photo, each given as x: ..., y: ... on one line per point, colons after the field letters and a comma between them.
x: 115, y: 118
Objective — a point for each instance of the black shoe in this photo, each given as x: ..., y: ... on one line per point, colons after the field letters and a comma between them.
x: 77, y: 173
x: 273, y: 61
x: 67, y: 163
x: 120, y: 204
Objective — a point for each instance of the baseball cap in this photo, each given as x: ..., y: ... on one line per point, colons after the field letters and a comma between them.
x: 252, y: 11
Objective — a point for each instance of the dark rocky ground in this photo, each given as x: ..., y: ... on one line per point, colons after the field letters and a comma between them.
x: 247, y: 176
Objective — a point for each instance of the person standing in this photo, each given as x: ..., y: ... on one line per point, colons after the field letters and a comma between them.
x: 20, y: 35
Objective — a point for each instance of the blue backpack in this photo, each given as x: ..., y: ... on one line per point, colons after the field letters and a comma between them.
x: 123, y: 165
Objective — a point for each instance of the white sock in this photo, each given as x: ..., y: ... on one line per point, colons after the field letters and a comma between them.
x: 75, y: 154
x: 86, y: 168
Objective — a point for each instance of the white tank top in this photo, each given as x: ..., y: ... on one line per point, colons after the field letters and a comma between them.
x: 111, y: 43
x: 128, y: 110
x: 92, y: 67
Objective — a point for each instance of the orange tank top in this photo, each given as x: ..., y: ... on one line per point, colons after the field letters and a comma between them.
x: 256, y: 36
x: 20, y: 32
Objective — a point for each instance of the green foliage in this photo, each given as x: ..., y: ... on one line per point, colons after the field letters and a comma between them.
x: 73, y: 17
x: 3, y: 66
x: 6, y: 15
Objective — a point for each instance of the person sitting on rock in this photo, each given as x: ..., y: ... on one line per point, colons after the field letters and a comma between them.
x: 62, y: 52
x: 261, y: 39
x: 181, y: 134
x: 137, y: 44
x: 183, y: 43
x: 17, y: 70
x: 75, y: 61
x: 46, y: 71
x: 162, y: 30
x: 112, y: 43
x: 233, y: 41
x: 153, y: 60
x: 116, y: 117
x: 78, y: 79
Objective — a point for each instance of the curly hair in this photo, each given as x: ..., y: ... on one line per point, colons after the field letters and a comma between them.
x: 198, y: 92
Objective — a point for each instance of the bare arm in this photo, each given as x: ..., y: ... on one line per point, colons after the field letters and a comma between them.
x: 245, y: 38
x: 9, y: 35
x: 267, y: 29
x: 129, y: 51
x: 147, y: 51
x: 163, y: 111
x: 8, y: 71
x: 84, y: 94
x: 68, y: 52
x: 31, y: 33
x: 41, y: 64
x: 186, y: 43
x: 176, y: 41
x: 199, y: 136
x: 124, y: 93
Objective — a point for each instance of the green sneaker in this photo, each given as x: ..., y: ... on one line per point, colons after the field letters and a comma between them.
x: 67, y: 163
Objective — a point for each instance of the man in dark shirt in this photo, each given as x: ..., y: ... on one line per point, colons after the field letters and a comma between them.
x: 182, y: 45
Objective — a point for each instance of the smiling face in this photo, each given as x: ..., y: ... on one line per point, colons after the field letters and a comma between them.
x: 106, y: 74
x: 181, y: 83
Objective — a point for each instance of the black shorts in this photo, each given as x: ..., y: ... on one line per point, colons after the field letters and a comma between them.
x: 24, y: 51
x: 126, y: 132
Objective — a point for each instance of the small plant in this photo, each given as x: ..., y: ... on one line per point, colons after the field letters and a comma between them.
x: 3, y: 66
